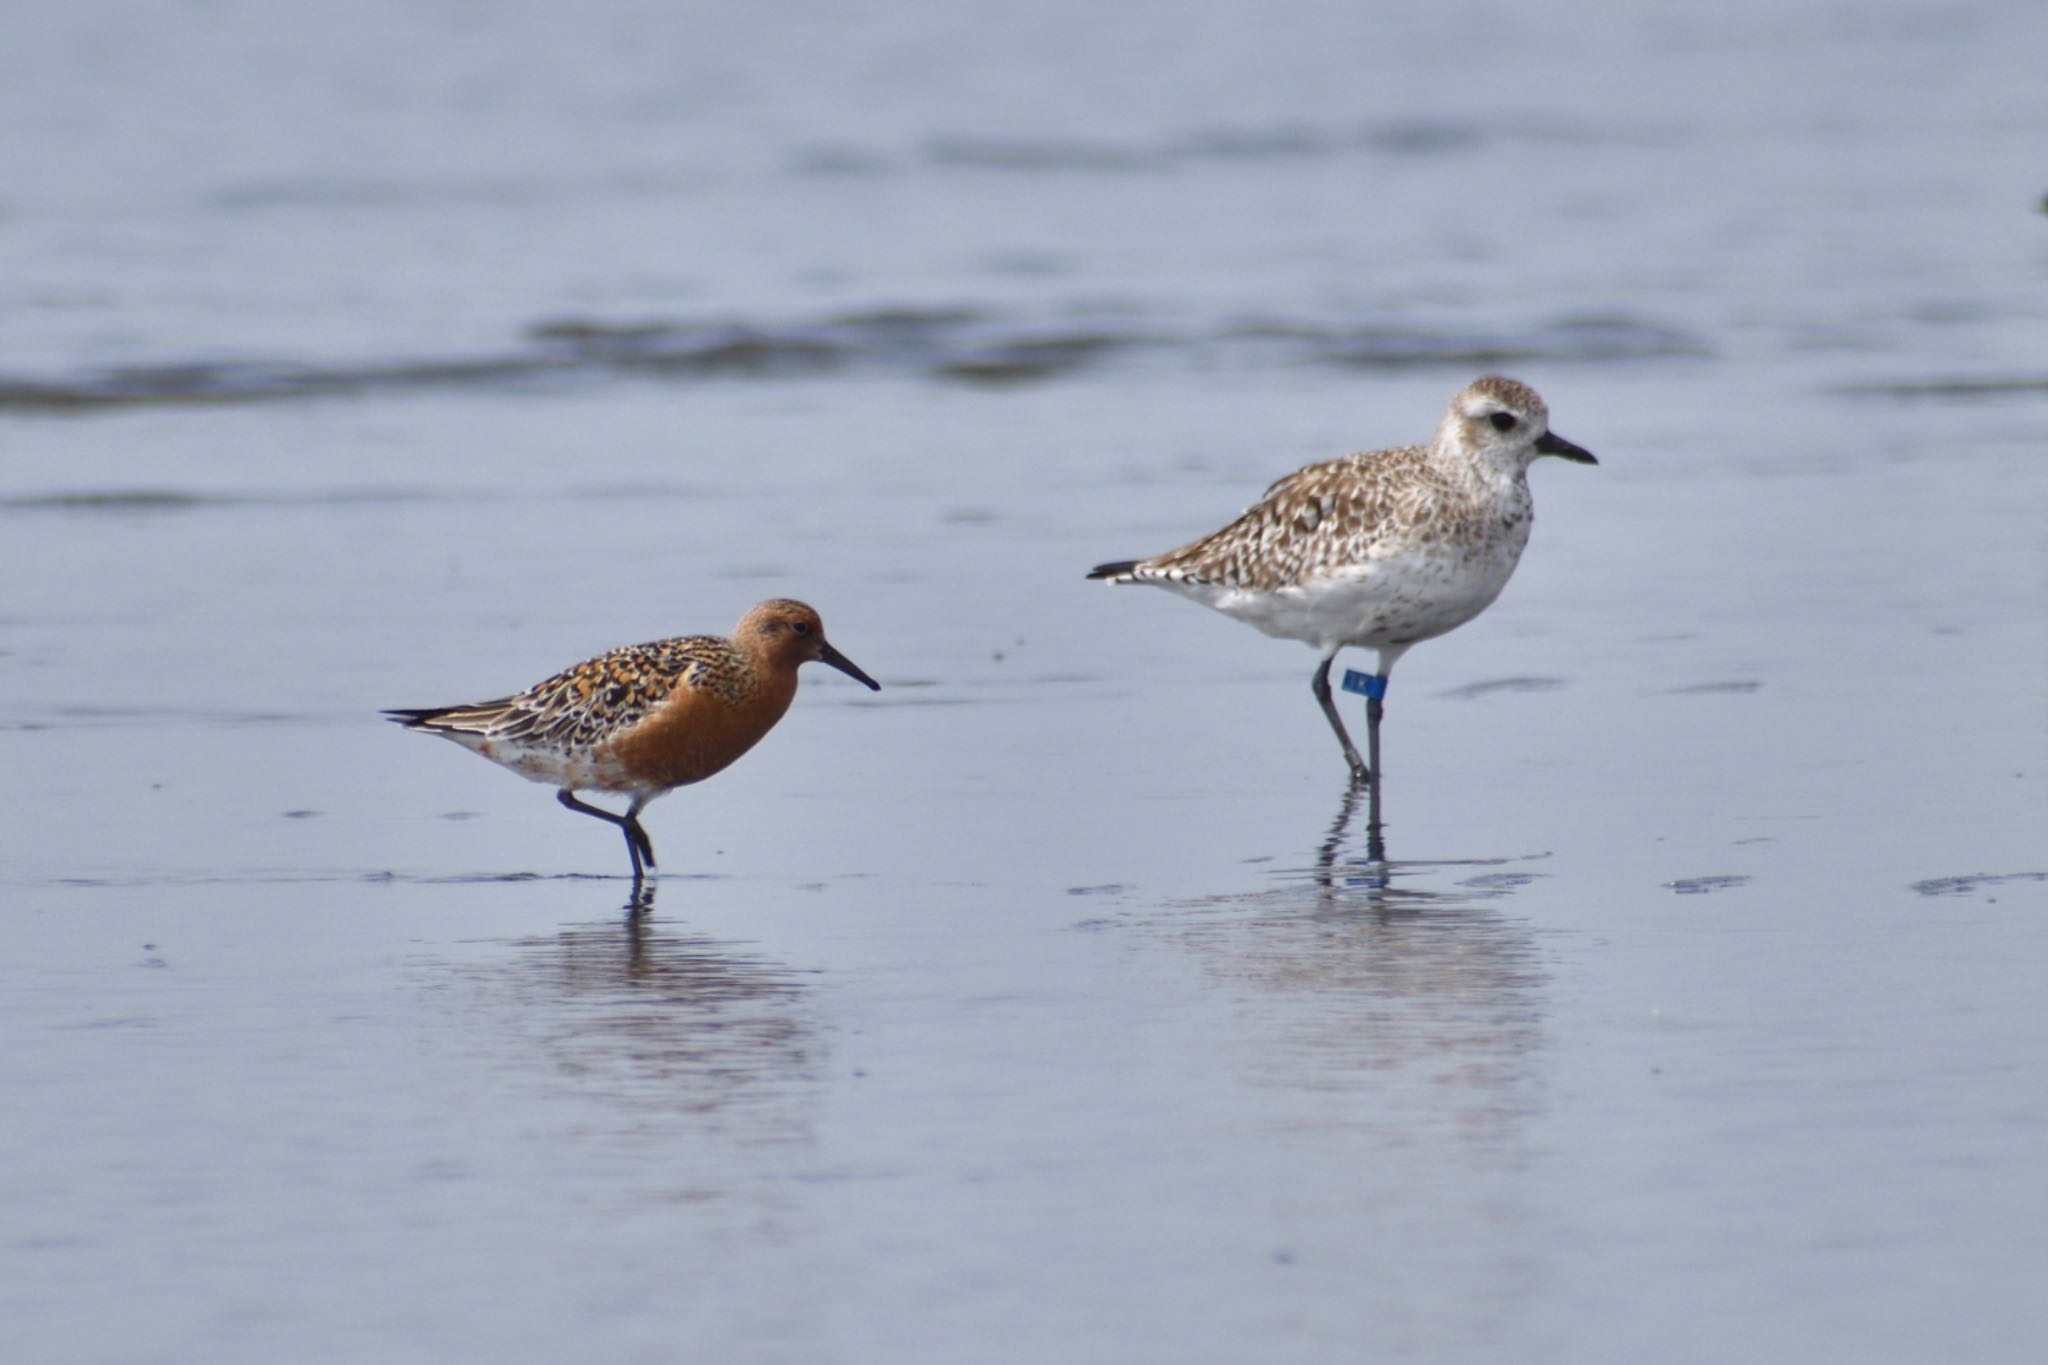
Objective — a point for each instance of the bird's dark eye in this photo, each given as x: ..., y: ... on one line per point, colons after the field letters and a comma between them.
x: 1502, y: 421
x: 800, y: 627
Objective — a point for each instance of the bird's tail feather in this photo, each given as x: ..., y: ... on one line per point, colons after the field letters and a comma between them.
x: 475, y: 716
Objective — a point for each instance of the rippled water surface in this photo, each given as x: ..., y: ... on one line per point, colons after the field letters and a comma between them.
x: 1050, y: 1003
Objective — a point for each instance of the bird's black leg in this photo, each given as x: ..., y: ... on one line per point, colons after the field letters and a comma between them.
x: 636, y: 835
x: 1320, y: 685
x: 629, y: 823
x: 1374, y: 709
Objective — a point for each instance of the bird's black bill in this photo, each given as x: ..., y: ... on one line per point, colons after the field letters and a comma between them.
x: 829, y: 655
x: 1550, y: 443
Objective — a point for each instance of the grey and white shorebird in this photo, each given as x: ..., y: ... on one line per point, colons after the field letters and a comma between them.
x: 1381, y: 550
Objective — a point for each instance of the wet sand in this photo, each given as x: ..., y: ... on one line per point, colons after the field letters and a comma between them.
x: 1036, y: 996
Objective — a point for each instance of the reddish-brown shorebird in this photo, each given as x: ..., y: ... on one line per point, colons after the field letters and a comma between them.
x: 643, y: 720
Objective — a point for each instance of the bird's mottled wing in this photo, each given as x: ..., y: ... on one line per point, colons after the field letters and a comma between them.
x: 1313, y: 521
x: 583, y: 705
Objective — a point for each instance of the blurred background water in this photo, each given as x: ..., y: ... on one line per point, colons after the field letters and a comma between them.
x: 1045, y: 1004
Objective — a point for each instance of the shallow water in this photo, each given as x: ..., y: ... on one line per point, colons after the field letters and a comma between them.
x: 1045, y: 1004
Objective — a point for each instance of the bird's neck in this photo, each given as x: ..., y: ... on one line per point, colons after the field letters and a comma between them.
x: 1480, y: 470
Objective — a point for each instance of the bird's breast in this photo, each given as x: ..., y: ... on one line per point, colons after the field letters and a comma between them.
x: 696, y: 732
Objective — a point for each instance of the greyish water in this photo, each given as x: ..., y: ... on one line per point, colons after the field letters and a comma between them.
x: 1045, y: 1005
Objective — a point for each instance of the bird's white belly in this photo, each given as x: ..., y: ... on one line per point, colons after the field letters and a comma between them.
x: 575, y: 769
x: 1386, y: 602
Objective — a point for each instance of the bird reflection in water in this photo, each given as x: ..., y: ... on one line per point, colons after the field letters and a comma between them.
x: 659, y: 1019
x: 1375, y: 835
x: 1394, y: 997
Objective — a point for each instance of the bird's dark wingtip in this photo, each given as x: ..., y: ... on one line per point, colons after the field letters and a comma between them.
x: 1115, y: 569
x: 411, y: 718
